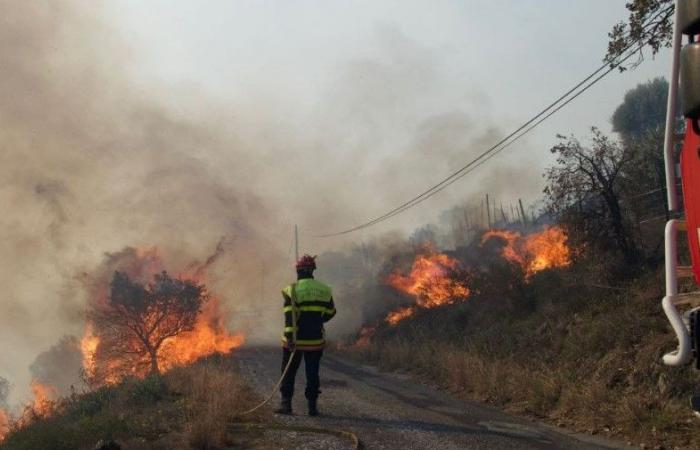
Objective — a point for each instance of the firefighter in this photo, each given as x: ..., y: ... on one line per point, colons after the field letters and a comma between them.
x: 314, y: 306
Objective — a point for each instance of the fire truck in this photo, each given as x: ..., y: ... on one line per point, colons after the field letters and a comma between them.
x: 682, y: 158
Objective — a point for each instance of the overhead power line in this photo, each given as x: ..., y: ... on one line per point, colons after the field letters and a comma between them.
x: 514, y: 136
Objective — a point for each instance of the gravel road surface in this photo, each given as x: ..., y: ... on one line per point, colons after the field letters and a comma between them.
x: 389, y: 411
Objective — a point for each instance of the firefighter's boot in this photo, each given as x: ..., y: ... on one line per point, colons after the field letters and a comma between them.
x: 695, y: 405
x: 285, y: 407
x: 313, y: 407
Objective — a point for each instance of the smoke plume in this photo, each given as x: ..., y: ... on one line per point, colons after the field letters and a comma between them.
x: 93, y: 163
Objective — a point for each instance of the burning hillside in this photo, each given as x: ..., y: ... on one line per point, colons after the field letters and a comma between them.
x: 142, y: 320
x: 437, y: 279
x: 533, y: 252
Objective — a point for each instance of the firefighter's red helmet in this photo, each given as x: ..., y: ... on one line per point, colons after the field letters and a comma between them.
x: 307, y: 262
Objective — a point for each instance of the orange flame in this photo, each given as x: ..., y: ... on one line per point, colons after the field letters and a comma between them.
x: 365, y: 336
x: 534, y: 252
x: 4, y: 424
x: 88, y: 347
x: 208, y: 337
x: 44, y: 397
x: 430, y: 282
x: 398, y: 315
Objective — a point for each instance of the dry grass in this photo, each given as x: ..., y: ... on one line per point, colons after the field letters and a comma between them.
x: 186, y: 408
x: 584, y: 358
x: 214, y: 396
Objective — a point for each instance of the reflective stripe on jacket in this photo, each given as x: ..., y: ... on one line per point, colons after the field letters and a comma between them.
x: 314, y: 307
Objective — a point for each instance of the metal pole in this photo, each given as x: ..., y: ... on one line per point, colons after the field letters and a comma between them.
x: 296, y: 242
x: 671, y: 107
x: 262, y: 281
x: 683, y: 354
x: 488, y: 211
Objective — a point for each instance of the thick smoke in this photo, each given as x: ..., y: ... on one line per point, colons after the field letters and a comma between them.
x: 60, y: 366
x: 89, y: 166
x: 93, y: 163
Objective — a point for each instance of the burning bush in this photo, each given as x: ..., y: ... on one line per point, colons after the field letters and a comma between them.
x: 499, y: 263
x: 434, y: 280
x: 136, y: 320
x: 146, y: 321
x: 533, y: 252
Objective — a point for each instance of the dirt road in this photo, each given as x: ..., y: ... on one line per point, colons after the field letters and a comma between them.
x: 389, y: 411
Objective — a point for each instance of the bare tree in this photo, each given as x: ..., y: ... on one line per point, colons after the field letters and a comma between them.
x: 136, y: 320
x: 584, y: 190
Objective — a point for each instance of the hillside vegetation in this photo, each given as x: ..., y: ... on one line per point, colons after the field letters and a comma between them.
x: 184, y: 408
x: 585, y: 357
x: 507, y: 311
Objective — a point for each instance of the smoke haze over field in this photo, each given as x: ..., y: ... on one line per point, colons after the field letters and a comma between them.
x: 98, y: 157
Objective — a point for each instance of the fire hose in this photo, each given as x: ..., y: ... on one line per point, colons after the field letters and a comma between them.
x: 352, y: 437
x: 274, y: 390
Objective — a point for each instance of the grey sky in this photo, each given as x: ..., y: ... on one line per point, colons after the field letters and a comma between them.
x: 496, y: 59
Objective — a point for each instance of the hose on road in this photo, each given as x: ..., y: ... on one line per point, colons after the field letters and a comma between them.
x: 274, y: 390
x: 352, y: 437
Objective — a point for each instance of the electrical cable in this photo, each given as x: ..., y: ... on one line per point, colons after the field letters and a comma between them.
x: 512, y: 137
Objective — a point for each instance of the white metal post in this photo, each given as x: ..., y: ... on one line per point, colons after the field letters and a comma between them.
x: 671, y: 108
x: 683, y: 354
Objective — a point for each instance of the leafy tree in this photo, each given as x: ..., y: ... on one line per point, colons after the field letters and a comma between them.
x: 136, y: 320
x: 641, y: 121
x: 643, y: 111
x: 584, y: 190
x: 650, y: 22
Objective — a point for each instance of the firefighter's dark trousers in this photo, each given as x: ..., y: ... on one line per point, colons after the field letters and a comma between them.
x: 312, y: 361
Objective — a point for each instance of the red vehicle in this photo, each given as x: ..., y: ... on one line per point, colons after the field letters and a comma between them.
x: 686, y: 60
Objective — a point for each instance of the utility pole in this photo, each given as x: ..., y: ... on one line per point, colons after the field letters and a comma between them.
x: 488, y: 211
x: 262, y: 281
x: 296, y: 243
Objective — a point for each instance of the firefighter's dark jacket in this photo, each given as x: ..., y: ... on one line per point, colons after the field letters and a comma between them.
x: 314, y: 307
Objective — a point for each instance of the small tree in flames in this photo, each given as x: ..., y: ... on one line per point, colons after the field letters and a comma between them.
x: 135, y: 320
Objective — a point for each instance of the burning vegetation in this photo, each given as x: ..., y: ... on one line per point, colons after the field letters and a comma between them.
x: 437, y: 279
x: 44, y: 396
x: 434, y: 280
x: 146, y: 321
x: 534, y: 252
x: 140, y: 320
